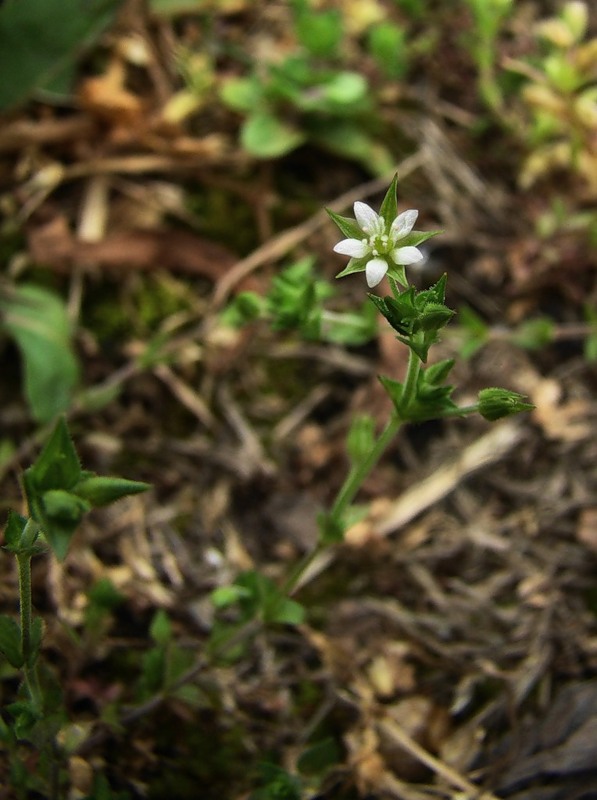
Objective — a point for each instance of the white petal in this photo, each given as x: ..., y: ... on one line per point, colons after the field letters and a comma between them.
x: 403, y: 224
x: 406, y: 255
x: 354, y: 248
x: 375, y: 270
x: 369, y: 222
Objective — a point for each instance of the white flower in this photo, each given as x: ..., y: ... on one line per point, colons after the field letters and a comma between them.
x: 379, y: 245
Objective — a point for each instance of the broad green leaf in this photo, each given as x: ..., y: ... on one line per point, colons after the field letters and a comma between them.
x: 40, y: 41
x: 265, y: 136
x: 37, y: 321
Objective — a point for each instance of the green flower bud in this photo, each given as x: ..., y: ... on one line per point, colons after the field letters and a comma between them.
x: 497, y: 403
x: 63, y: 506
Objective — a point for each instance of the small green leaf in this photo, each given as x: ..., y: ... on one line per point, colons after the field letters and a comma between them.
x: 242, y: 94
x: 321, y: 32
x: 160, y: 629
x: 361, y: 437
x: 319, y: 757
x: 265, y: 136
x: 345, y: 88
x: 10, y: 641
x: 387, y: 44
x: 98, y: 490
x: 57, y: 466
x: 331, y: 529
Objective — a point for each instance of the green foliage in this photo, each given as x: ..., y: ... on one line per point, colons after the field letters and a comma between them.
x: 295, y: 100
x: 489, y: 17
x: 59, y: 492
x: 40, y: 41
x: 559, y: 99
x: 387, y: 44
x: 37, y: 320
x: 277, y: 784
x: 295, y: 302
x: 417, y: 317
x: 258, y: 597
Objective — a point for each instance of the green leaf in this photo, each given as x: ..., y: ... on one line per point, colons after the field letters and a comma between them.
x: 345, y: 88
x: 10, y: 641
x: 41, y: 40
x: 99, y: 490
x: 265, y: 599
x: 37, y: 321
x: 160, y: 629
x: 57, y: 466
x: 361, y: 437
x: 242, y: 94
x: 321, y: 32
x: 387, y: 44
x: 319, y: 757
x: 534, y: 333
x: 265, y: 136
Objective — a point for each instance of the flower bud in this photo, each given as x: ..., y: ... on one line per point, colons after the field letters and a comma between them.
x: 497, y: 403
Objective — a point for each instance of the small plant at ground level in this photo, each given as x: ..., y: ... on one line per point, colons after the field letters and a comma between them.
x: 561, y: 99
x: 58, y: 493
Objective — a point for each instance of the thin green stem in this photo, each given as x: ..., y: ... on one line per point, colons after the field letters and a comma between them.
x: 409, y: 391
x: 29, y: 669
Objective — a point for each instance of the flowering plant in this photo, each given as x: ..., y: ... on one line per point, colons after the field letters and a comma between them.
x: 380, y: 244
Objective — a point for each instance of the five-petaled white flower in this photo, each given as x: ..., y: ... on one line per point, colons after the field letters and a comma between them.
x: 380, y: 244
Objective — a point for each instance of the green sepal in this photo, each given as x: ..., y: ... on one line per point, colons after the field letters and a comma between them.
x: 389, y: 206
x: 99, y: 490
x: 349, y: 227
x: 354, y: 265
x: 397, y: 272
x: 10, y: 641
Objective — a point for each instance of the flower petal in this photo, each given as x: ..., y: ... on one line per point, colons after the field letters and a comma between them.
x: 403, y: 224
x: 406, y: 255
x: 375, y: 271
x: 355, y: 248
x: 369, y: 222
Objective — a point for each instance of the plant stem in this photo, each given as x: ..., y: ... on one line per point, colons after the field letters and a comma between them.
x: 409, y: 391
x: 29, y: 669
x: 359, y: 472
